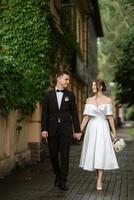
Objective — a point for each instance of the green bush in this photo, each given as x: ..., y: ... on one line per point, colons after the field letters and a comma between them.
x: 129, y: 114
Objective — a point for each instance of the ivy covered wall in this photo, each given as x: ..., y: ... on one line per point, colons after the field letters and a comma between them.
x: 25, y: 54
x: 31, y: 49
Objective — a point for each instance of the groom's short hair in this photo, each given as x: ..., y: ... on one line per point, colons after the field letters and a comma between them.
x: 61, y: 73
x: 58, y: 74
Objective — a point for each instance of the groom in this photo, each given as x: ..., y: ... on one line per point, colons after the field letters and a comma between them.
x: 59, y: 120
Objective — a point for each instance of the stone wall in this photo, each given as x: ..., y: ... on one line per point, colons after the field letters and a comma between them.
x: 13, y: 142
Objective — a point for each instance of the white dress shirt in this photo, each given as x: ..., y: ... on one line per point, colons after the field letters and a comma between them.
x: 59, y: 97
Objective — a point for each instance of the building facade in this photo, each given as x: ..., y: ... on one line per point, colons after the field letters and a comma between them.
x: 20, y: 140
x: 84, y: 18
x: 86, y: 23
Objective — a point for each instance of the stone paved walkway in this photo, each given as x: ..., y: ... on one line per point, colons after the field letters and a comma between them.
x: 35, y: 182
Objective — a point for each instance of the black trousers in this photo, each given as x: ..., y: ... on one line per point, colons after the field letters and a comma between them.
x: 59, y: 147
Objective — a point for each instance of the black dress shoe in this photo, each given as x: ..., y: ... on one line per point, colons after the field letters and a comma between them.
x: 57, y: 181
x: 63, y: 186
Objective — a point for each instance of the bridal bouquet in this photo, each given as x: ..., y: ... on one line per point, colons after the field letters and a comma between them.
x: 119, y: 144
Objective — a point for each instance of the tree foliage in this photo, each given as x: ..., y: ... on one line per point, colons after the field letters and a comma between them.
x: 117, y: 21
x: 117, y: 47
x: 124, y: 68
x: 124, y: 71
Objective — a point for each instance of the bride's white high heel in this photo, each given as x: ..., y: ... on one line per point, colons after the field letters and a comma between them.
x: 99, y: 187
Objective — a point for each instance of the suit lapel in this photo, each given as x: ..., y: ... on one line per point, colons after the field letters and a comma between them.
x: 54, y: 99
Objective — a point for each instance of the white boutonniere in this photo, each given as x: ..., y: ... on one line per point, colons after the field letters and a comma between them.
x: 66, y: 99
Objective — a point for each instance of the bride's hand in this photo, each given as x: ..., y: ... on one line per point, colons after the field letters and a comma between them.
x: 77, y: 136
x: 114, y: 137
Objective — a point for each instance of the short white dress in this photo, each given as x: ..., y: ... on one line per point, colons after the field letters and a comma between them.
x: 97, y: 150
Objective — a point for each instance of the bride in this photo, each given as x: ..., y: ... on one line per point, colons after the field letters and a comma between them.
x: 97, y: 151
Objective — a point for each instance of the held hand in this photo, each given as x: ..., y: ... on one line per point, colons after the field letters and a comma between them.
x: 77, y: 136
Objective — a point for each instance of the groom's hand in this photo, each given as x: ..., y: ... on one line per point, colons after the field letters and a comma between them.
x: 44, y: 134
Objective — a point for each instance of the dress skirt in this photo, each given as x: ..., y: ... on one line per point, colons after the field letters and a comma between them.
x: 97, y: 150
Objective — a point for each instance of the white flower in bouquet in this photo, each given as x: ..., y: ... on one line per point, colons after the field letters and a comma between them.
x: 119, y: 144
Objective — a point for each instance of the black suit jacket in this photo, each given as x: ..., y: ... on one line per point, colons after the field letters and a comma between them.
x: 67, y: 113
